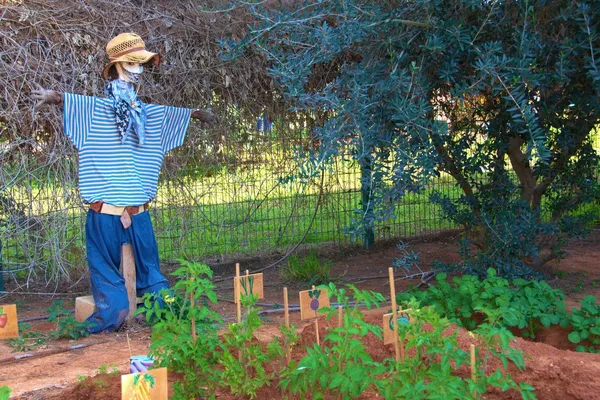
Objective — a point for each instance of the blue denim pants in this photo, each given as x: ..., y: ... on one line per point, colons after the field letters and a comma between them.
x: 104, y: 237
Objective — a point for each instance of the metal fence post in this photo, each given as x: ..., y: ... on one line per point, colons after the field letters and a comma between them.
x: 367, y: 203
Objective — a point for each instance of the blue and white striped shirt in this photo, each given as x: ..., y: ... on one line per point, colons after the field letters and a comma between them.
x: 120, y: 174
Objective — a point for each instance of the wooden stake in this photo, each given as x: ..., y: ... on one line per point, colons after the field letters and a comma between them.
x: 401, y: 342
x: 286, y: 312
x: 238, y: 293
x: 194, y: 335
x: 473, y: 368
x: 286, y: 309
x: 340, y: 316
x: 128, y: 265
x: 395, y: 312
x: 317, y: 324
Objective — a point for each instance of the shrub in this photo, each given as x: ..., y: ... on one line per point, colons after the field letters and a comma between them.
x: 309, y: 270
x: 586, y: 325
x: 525, y: 305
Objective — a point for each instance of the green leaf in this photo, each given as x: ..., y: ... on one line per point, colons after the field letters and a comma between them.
x: 574, y: 337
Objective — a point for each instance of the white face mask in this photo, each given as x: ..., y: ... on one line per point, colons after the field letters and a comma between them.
x: 132, y: 67
x: 126, y: 74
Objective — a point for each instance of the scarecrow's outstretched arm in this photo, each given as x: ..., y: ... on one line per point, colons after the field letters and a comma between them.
x: 204, y: 116
x: 44, y: 96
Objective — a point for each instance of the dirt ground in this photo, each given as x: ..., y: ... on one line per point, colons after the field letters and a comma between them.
x: 551, y: 368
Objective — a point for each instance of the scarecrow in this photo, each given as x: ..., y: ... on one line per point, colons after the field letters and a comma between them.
x: 121, y: 144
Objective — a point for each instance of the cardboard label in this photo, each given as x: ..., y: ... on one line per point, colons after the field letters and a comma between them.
x: 140, y: 363
x: 9, y: 323
x: 151, y: 385
x: 404, y: 318
x: 311, y: 301
x: 250, y: 284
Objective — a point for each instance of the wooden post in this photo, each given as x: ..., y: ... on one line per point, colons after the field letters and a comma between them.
x: 128, y: 267
x: 194, y: 335
x: 340, y: 316
x: 238, y: 293
x: 395, y: 312
x: 286, y: 309
x: 473, y: 368
x: 286, y: 313
x: 317, y: 325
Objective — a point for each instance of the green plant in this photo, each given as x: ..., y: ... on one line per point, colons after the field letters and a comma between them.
x: 341, y: 367
x: 4, y: 392
x: 100, y: 384
x: 526, y: 304
x: 244, y: 360
x: 586, y: 325
x: 431, y: 372
x: 81, y: 378
x: 103, y: 369
x: 66, y: 325
x: 505, y: 106
x: 310, y: 270
x: 28, y: 339
x: 174, y: 345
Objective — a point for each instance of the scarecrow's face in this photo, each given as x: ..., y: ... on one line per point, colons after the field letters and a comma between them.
x: 129, y: 71
x: 134, y: 68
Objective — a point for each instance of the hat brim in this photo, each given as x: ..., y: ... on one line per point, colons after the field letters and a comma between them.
x: 139, y: 56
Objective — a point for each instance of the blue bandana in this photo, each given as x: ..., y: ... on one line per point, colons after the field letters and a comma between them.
x: 130, y: 112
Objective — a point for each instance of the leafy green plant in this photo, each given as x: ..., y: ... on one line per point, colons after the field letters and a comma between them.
x: 341, y: 367
x: 173, y: 344
x: 244, y: 360
x: 66, y: 325
x: 431, y: 372
x: 100, y: 383
x: 310, y: 270
x: 586, y: 325
x: 4, y: 392
x: 526, y: 304
x: 103, y: 369
x: 28, y: 339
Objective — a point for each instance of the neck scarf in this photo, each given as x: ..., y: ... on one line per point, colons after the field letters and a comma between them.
x: 130, y: 112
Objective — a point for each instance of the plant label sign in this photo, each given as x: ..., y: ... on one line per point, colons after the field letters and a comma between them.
x: 404, y: 318
x: 250, y: 284
x: 9, y: 324
x: 312, y: 301
x: 151, y: 385
x: 140, y: 364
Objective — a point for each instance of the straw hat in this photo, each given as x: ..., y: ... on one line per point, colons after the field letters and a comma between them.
x: 128, y: 47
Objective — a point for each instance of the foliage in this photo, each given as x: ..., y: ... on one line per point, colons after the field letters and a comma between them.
x: 244, y: 360
x: 28, y: 339
x: 4, y: 392
x: 310, y: 270
x: 585, y: 321
x: 103, y: 369
x: 430, y: 374
x: 525, y: 305
x: 66, y: 325
x: 503, y: 96
x: 172, y: 343
x: 342, y: 366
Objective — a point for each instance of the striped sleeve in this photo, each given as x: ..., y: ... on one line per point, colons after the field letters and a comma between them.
x: 175, y: 124
x: 77, y: 117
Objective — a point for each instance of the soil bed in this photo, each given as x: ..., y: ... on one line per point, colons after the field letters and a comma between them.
x: 552, y: 369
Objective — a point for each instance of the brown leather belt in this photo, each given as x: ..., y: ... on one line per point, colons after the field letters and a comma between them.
x: 105, y: 208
